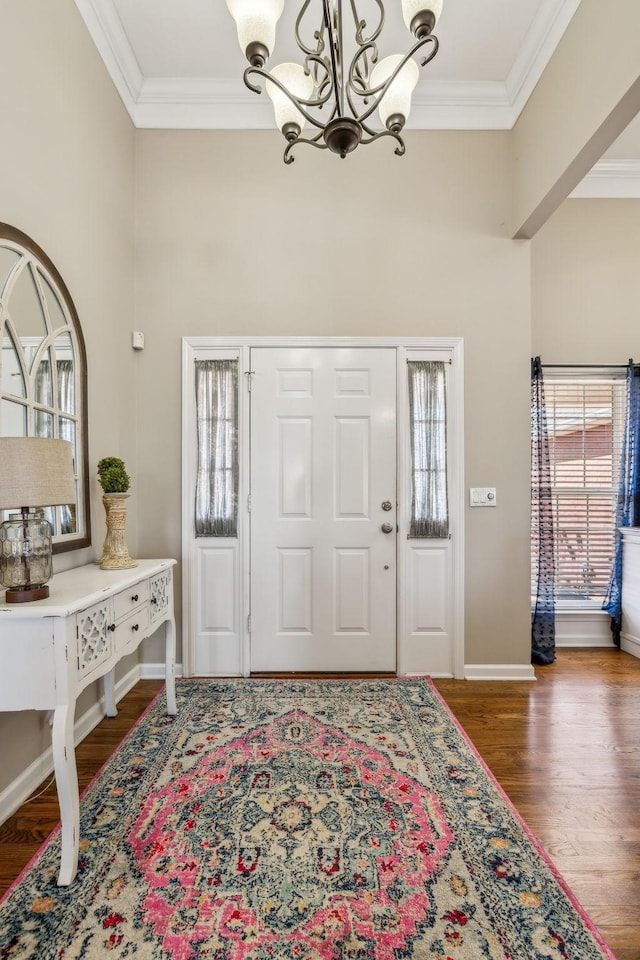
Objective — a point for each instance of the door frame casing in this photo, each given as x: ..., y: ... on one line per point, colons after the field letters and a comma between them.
x: 451, y: 348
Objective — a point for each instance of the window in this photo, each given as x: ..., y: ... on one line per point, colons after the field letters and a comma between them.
x: 585, y: 422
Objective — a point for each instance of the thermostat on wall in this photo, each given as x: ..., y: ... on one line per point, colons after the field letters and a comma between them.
x: 482, y: 497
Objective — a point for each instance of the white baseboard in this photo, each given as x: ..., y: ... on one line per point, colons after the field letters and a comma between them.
x: 630, y: 644
x: 156, y: 671
x: 14, y: 795
x: 583, y: 628
x: 499, y: 671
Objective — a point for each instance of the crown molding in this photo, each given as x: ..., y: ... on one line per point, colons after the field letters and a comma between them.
x: 195, y: 103
x: 610, y: 180
x: 180, y: 103
x: 106, y: 31
x: 543, y: 36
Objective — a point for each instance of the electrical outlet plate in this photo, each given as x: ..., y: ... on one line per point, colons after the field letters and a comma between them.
x: 482, y: 497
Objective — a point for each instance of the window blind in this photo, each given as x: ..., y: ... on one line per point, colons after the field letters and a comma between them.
x: 585, y: 420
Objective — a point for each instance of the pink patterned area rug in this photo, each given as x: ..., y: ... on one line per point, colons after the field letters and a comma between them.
x: 315, y: 820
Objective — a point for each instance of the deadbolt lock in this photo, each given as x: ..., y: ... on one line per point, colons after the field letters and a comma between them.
x: 387, y: 505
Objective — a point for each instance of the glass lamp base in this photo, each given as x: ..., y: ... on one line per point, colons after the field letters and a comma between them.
x: 25, y: 557
x: 27, y: 594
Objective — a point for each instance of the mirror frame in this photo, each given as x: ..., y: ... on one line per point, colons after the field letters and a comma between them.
x: 65, y: 542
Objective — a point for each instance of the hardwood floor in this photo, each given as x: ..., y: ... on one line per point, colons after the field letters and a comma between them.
x: 566, y: 750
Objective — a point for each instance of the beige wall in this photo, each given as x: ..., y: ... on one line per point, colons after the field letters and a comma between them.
x: 230, y: 241
x: 67, y: 180
x: 586, y: 283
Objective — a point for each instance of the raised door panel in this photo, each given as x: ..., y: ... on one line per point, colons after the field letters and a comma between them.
x: 352, y: 459
x: 216, y: 617
x: 294, y: 465
x: 428, y: 609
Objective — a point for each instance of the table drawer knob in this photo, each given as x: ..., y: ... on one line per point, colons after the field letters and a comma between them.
x: 134, y: 598
x: 135, y: 626
x: 111, y: 627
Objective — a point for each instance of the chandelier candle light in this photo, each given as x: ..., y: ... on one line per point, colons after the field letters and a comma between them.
x: 349, y: 97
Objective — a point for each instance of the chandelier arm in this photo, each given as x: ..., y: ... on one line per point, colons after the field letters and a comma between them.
x: 321, y: 84
x: 378, y: 92
x: 298, y: 104
x: 359, y: 75
x: 435, y: 43
x: 379, y: 134
x: 335, y: 49
x: 360, y: 24
x: 318, y: 35
x: 313, y: 142
x: 259, y: 72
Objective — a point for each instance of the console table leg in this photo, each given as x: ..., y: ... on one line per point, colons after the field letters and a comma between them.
x: 170, y: 665
x: 64, y: 764
x: 108, y: 685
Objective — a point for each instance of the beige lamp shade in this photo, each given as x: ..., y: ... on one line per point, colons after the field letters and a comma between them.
x: 35, y: 472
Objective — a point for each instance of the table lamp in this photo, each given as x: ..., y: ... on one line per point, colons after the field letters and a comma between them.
x: 34, y: 472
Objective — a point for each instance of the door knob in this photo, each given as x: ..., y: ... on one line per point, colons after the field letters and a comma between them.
x: 386, y: 504
x: 387, y: 527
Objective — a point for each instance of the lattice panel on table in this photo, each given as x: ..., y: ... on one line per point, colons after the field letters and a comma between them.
x: 93, y: 637
x: 160, y: 594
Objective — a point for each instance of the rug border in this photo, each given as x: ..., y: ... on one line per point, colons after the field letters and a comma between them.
x: 542, y: 853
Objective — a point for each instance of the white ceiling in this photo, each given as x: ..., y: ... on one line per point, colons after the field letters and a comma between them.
x: 177, y: 64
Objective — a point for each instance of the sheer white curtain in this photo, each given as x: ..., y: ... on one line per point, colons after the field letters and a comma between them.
x: 428, y: 431
x: 216, y: 513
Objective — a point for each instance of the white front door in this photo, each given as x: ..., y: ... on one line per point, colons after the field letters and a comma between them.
x: 323, y: 509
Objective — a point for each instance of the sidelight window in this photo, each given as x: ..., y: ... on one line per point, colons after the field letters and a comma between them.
x: 428, y: 433
x: 216, y: 508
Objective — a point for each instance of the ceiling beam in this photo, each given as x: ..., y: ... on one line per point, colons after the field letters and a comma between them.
x: 586, y: 97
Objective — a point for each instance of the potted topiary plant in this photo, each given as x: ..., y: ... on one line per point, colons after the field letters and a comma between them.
x: 112, y: 475
x: 115, y: 483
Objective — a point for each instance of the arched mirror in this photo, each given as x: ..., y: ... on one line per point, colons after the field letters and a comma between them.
x: 43, y: 370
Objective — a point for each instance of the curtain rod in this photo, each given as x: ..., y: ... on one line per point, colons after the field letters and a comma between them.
x: 587, y: 366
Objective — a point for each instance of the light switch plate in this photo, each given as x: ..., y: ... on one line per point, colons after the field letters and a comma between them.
x: 482, y: 497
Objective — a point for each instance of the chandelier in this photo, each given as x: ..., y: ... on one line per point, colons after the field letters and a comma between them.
x: 338, y: 101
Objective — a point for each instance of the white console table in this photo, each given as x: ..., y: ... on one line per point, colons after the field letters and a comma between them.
x: 51, y: 649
